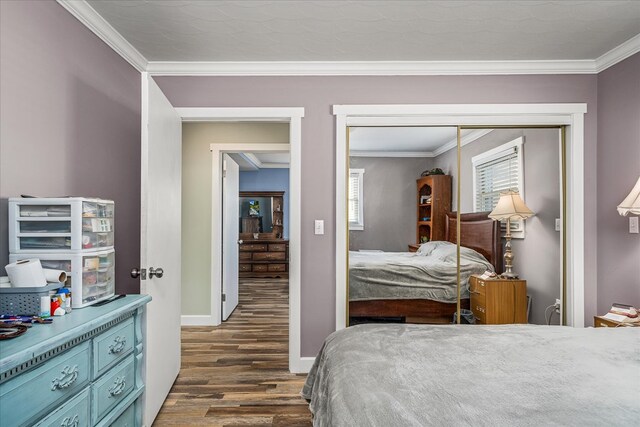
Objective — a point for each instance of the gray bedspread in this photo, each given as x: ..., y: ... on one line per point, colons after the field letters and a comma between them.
x: 503, y: 375
x: 430, y: 273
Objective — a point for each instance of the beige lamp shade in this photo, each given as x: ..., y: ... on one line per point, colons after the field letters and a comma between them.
x: 631, y: 204
x: 510, y: 205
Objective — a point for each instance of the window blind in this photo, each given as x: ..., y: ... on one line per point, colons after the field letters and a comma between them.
x: 355, y: 196
x: 496, y: 176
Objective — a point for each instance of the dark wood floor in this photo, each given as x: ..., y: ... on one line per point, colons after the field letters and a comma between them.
x: 237, y: 374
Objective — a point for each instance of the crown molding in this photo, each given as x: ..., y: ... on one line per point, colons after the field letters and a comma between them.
x: 362, y: 153
x: 464, y: 140
x: 368, y: 68
x: 101, y: 28
x: 618, y: 54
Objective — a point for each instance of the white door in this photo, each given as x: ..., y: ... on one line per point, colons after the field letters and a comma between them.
x: 230, y: 231
x: 160, y: 242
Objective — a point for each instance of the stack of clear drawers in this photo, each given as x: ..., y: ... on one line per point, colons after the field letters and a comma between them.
x: 72, y: 234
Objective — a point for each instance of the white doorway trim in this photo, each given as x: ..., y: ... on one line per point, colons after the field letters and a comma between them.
x: 293, y: 116
x: 571, y: 115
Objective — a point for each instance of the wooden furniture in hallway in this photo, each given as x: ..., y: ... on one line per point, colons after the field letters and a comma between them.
x: 264, y: 258
x: 238, y: 373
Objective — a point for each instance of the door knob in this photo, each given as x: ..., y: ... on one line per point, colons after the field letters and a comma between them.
x: 158, y: 272
x: 139, y: 272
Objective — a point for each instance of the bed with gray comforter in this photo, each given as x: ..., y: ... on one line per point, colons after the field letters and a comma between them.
x: 430, y: 273
x: 451, y: 375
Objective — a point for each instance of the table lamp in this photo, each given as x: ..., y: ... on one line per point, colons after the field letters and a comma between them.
x: 631, y: 203
x: 509, y: 206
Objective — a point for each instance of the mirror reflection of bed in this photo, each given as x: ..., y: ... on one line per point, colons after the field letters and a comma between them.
x: 402, y: 251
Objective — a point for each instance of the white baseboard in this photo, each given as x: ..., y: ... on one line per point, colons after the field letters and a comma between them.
x: 196, y: 320
x: 302, y: 365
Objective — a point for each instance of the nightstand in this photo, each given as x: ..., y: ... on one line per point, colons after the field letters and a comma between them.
x: 497, y: 301
x: 413, y: 247
x: 601, y: 322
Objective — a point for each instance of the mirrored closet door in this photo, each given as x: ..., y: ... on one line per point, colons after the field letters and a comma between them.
x: 402, y: 257
x: 405, y: 186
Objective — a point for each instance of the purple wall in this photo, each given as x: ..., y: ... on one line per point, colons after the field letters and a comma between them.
x: 618, y: 170
x: 70, y: 114
x: 318, y: 94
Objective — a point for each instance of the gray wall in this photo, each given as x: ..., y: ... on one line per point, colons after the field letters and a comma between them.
x: 618, y: 170
x: 318, y: 94
x: 70, y: 114
x: 196, y: 200
x: 389, y: 202
x: 537, y: 256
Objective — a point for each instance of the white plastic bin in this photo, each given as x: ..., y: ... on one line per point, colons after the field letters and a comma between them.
x: 42, y: 225
x: 91, y: 275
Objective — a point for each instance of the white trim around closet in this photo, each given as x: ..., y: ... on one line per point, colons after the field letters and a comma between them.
x: 571, y: 115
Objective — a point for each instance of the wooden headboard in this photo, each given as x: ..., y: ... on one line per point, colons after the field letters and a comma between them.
x: 477, y: 232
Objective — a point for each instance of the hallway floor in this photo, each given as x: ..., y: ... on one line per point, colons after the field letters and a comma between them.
x: 237, y: 373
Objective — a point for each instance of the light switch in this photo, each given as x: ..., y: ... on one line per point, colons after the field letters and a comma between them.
x: 319, y: 226
x: 633, y: 225
x: 558, y: 225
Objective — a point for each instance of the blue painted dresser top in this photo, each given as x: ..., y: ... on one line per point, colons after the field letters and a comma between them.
x: 40, y: 338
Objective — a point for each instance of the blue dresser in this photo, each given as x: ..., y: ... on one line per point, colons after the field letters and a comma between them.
x: 85, y: 369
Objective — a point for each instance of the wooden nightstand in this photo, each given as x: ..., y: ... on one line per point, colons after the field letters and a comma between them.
x: 413, y: 247
x: 601, y: 322
x: 498, y: 301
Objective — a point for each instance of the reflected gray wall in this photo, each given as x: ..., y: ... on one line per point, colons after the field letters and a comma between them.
x: 70, y: 114
x: 537, y: 256
x: 618, y: 170
x: 389, y: 202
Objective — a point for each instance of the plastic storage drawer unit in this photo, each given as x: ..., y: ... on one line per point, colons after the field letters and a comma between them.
x: 90, y: 275
x: 39, y: 225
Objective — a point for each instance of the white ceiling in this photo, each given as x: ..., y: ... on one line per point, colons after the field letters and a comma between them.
x: 357, y: 30
x: 255, y: 161
x: 400, y: 139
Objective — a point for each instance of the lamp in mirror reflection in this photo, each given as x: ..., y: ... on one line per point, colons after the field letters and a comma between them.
x: 631, y: 203
x: 510, y: 206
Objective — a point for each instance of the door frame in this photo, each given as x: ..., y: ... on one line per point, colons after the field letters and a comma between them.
x: 293, y: 116
x: 217, y: 212
x: 569, y: 115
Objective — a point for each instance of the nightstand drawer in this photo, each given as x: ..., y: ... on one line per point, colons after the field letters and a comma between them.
x: 109, y: 390
x: 58, y: 380
x: 111, y: 347
x: 479, y: 311
x: 477, y: 286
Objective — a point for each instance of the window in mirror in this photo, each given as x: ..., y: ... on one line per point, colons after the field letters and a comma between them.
x: 356, y: 203
x: 494, y: 172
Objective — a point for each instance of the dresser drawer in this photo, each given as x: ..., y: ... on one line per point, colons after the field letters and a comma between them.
x: 112, y: 346
x: 244, y: 267
x: 59, y: 379
x: 253, y: 247
x: 74, y: 413
x: 114, y: 386
x: 277, y: 267
x: 244, y: 256
x: 277, y: 247
x: 127, y: 418
x: 260, y: 267
x: 268, y: 256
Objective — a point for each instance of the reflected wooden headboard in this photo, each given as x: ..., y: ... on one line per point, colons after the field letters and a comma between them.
x: 477, y: 232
